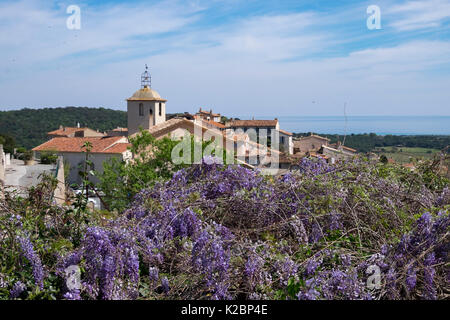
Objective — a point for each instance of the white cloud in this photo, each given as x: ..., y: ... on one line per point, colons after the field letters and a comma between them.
x: 414, y: 15
x: 257, y: 65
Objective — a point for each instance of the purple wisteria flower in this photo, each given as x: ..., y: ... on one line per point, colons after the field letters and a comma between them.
x: 17, y: 290
x: 29, y: 253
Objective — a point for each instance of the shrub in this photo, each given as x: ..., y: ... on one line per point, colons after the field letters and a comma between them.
x: 48, y: 157
x: 28, y: 155
x: 226, y: 232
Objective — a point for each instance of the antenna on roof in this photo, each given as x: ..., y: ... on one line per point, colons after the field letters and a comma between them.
x: 345, y: 130
x: 146, y: 79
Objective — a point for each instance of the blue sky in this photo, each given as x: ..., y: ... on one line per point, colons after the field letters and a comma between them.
x: 240, y: 58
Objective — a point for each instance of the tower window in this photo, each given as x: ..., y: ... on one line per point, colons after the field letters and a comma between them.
x: 160, y: 109
x: 141, y: 109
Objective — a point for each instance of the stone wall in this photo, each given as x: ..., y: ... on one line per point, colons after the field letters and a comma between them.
x: 60, y: 192
x: 2, y: 170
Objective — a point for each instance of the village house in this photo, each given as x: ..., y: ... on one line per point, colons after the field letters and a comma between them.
x: 310, y: 143
x: 73, y: 153
x: 70, y: 132
x: 118, y: 132
x: 334, y: 155
x: 208, y: 115
x: 257, y: 126
x: 319, y: 147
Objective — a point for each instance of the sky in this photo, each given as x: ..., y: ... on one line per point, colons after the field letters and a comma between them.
x: 240, y: 58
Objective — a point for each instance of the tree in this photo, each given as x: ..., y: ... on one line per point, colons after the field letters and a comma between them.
x: 8, y: 143
x: 152, y: 162
x: 119, y: 181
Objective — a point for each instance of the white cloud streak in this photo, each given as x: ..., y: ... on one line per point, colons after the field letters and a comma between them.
x: 415, y: 15
x: 267, y: 64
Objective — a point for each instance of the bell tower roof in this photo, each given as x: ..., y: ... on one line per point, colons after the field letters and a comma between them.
x: 146, y: 93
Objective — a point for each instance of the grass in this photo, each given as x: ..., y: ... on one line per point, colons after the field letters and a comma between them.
x: 405, y: 154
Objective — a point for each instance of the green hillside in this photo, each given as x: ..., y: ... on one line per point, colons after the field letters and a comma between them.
x: 29, y: 127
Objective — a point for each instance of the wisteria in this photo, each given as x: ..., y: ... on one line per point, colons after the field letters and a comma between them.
x: 17, y: 289
x: 227, y: 232
x: 29, y: 253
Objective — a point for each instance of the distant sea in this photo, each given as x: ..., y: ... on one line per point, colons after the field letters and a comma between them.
x: 381, y: 125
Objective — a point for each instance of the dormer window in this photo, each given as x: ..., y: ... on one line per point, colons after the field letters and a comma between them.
x: 141, y: 109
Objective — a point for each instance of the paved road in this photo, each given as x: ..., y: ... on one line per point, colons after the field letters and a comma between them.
x: 18, y: 175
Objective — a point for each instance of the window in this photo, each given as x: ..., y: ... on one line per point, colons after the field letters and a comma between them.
x: 282, y: 139
x: 151, y: 111
x: 141, y: 109
x: 160, y: 109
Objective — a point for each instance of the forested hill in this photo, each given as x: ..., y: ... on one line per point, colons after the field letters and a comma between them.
x: 369, y: 141
x: 29, y: 127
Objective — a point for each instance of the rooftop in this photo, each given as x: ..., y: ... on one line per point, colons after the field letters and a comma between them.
x: 314, y: 136
x: 65, y: 131
x: 146, y: 94
x: 119, y: 129
x: 251, y: 123
x: 111, y: 145
x: 210, y: 113
x: 285, y: 132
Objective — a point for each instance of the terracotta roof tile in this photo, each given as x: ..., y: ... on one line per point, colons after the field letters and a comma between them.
x: 216, y: 124
x: 285, y: 132
x: 251, y: 123
x: 314, y: 136
x: 349, y: 149
x: 65, y: 131
x: 209, y: 113
x: 117, y: 148
x: 99, y: 144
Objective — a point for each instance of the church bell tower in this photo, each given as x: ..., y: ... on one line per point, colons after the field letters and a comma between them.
x: 145, y: 108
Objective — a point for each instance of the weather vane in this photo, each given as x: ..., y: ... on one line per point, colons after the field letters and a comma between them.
x: 146, y: 78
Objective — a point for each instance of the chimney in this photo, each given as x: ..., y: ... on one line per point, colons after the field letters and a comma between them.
x: 60, y: 127
x: 78, y: 124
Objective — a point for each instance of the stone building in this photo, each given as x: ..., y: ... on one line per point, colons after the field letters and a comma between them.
x: 336, y: 154
x: 208, y: 115
x: 267, y: 126
x: 145, y: 108
x: 71, y: 149
x: 310, y: 143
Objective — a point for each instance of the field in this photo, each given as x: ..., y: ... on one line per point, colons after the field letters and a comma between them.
x: 406, y: 154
